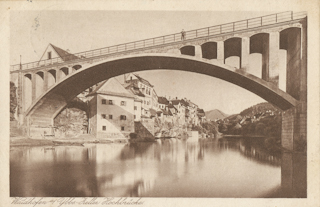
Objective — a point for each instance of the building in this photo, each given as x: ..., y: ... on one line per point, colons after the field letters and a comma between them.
x: 112, y: 110
x: 201, y: 115
x: 163, y: 103
x: 144, y: 91
x: 55, y: 54
x: 181, y: 108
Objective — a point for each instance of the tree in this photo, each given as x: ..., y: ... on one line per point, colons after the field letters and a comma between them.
x: 13, y: 100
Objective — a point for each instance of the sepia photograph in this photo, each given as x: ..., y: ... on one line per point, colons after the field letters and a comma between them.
x: 121, y: 107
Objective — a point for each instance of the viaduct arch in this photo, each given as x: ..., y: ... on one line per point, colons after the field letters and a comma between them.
x: 41, y: 114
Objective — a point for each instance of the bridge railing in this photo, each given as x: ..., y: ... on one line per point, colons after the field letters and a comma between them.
x: 172, y: 38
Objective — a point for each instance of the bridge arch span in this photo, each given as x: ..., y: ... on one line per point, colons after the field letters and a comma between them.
x: 46, y: 107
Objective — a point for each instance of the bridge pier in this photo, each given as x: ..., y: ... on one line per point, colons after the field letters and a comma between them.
x: 294, y: 120
x: 220, y: 52
x: 294, y: 128
x: 293, y: 175
x: 245, y: 47
x: 274, y: 58
x: 198, y: 51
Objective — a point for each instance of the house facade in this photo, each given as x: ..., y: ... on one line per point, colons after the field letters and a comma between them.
x: 111, y: 110
x: 144, y: 91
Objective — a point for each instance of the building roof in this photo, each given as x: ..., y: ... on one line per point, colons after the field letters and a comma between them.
x: 63, y: 54
x: 143, y: 80
x: 184, y: 102
x: 133, y: 88
x: 111, y: 87
x: 163, y: 100
x: 175, y: 102
x: 153, y: 112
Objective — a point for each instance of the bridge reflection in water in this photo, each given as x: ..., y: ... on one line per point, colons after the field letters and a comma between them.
x: 166, y: 168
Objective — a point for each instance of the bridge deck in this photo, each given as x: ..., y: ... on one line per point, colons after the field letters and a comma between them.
x: 216, y: 30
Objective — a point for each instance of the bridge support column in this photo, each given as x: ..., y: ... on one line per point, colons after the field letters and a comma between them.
x: 265, y: 74
x: 294, y: 175
x: 274, y: 58
x: 70, y: 70
x: 198, y: 51
x: 220, y: 52
x: 20, y: 93
x: 245, y: 47
x: 45, y: 81
x: 294, y: 128
x: 34, y: 87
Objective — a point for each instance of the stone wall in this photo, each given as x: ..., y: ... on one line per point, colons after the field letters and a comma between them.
x: 144, y: 128
x: 71, y: 122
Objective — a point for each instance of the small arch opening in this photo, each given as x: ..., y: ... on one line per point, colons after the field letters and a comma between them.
x: 188, y: 50
x: 209, y: 50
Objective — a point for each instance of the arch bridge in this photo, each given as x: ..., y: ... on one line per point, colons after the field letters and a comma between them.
x: 46, y: 86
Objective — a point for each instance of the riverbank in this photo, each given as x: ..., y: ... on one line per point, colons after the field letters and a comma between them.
x: 24, y: 141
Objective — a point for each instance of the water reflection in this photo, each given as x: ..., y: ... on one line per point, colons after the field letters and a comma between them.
x: 166, y: 168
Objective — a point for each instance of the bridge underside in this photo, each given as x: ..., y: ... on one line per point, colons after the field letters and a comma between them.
x: 40, y: 115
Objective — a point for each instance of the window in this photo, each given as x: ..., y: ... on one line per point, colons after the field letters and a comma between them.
x: 110, y: 116
x: 110, y: 102
x: 144, y: 102
x: 104, y: 128
x: 123, y: 103
x: 103, y: 116
x: 122, y: 128
x: 103, y: 101
x: 134, y: 116
x: 49, y: 55
x: 123, y: 117
x: 135, y: 107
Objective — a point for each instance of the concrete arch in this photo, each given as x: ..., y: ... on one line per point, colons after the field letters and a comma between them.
x: 46, y: 107
x: 39, y: 79
x: 288, y: 34
x: 63, y: 72
x: 76, y: 67
x: 259, y: 43
x: 290, y: 40
x: 52, y: 77
x: 58, y: 96
x: 209, y: 50
x: 232, y: 47
x: 188, y: 50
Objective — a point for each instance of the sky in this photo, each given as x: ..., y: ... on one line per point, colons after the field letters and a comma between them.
x: 77, y: 31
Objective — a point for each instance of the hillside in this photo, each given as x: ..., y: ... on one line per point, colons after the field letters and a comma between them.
x: 259, y: 108
x: 215, y: 114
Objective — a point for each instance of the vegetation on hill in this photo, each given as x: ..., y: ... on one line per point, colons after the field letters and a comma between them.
x: 215, y: 114
x: 207, y: 128
x: 259, y: 108
x: 262, y: 119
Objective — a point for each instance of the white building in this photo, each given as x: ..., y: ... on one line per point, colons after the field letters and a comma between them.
x: 143, y: 91
x: 111, y: 110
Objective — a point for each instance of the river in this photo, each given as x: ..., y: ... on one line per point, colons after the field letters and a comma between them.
x: 166, y: 168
